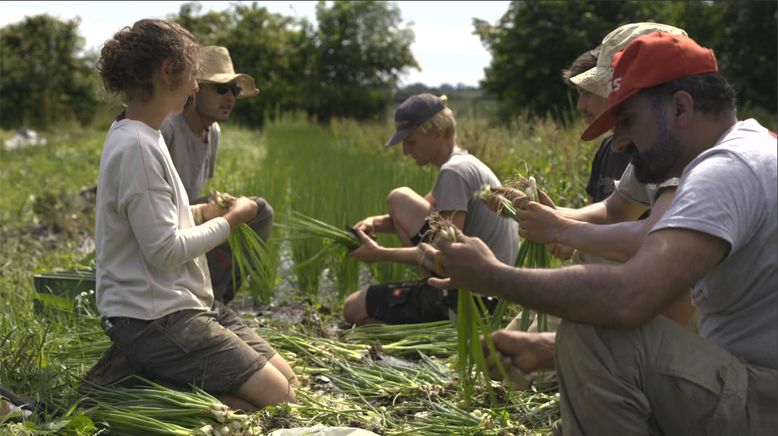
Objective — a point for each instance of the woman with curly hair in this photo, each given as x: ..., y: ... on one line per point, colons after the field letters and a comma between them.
x: 153, y: 286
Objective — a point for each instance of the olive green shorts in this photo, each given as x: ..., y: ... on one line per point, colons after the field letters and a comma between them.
x: 213, y: 349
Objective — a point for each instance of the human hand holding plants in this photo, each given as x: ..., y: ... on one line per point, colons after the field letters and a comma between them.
x: 498, y: 198
x: 372, y: 224
x: 212, y: 210
x: 370, y: 251
x: 466, y: 263
x: 218, y: 204
x: 538, y: 222
x: 241, y: 210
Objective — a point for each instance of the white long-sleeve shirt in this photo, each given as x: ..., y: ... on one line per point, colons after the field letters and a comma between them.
x: 150, y: 254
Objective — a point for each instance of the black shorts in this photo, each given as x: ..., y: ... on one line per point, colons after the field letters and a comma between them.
x: 409, y: 302
x: 413, y: 302
x: 424, y: 234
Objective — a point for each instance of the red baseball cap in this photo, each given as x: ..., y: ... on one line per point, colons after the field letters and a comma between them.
x: 647, y: 61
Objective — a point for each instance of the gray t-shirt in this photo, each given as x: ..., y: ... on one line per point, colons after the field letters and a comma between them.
x: 641, y: 193
x: 458, y: 180
x: 194, y: 159
x: 730, y: 191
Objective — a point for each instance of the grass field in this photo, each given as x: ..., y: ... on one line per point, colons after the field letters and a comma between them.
x: 337, y: 173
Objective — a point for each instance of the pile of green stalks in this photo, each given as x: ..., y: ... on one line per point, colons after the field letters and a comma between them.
x: 319, y: 351
x: 375, y: 382
x: 443, y: 417
x: 436, y: 338
x: 316, y: 407
x: 155, y: 409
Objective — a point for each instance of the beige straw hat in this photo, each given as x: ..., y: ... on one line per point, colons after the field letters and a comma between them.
x: 596, y: 79
x: 216, y: 67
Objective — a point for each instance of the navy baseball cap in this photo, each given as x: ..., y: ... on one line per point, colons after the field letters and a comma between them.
x: 412, y: 112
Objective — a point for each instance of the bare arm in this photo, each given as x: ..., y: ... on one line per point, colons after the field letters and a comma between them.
x: 370, y: 251
x: 613, y: 209
x: 621, y: 296
x: 618, y: 241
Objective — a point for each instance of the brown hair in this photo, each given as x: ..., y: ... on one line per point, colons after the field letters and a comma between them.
x: 584, y: 62
x: 128, y: 60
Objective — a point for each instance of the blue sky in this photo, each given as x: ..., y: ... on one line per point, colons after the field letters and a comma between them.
x: 445, y: 48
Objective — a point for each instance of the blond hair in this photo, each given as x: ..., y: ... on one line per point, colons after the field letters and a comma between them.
x: 443, y: 122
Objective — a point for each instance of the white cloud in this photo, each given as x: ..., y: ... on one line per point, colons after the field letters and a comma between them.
x: 454, y: 39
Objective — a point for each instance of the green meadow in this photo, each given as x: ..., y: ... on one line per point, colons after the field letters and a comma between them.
x: 390, y: 380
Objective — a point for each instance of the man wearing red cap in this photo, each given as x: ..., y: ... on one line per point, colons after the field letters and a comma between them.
x: 623, y: 369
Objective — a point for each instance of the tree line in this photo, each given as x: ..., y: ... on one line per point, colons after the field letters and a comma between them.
x: 350, y: 62
x: 535, y: 40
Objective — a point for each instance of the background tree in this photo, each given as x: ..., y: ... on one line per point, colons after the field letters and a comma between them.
x: 745, y: 44
x: 43, y: 80
x: 535, y: 40
x: 361, y: 51
x: 347, y: 67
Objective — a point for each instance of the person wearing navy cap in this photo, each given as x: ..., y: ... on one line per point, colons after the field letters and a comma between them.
x: 427, y: 130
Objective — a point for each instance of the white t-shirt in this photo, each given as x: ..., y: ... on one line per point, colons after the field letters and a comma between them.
x: 150, y: 255
x: 730, y: 191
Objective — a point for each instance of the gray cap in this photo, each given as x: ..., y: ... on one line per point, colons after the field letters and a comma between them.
x: 412, y: 112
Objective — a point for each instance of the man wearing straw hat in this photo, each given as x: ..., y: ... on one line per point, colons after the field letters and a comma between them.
x: 193, y: 139
x: 623, y: 369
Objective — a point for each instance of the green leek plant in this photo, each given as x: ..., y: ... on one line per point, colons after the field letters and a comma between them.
x: 300, y: 226
x: 531, y: 254
x: 250, y: 257
x: 471, y: 326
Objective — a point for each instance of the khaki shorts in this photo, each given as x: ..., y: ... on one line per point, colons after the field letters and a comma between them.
x: 213, y: 349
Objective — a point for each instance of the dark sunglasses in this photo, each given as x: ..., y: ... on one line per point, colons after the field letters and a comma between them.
x: 222, y: 88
